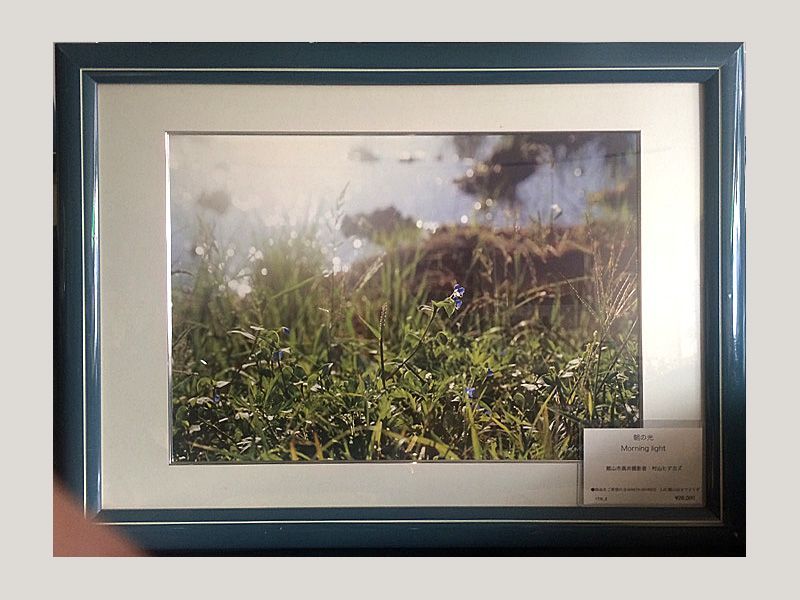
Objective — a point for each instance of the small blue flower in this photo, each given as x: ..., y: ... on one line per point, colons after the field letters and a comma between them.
x: 471, y: 392
x: 458, y: 291
x: 216, y: 398
x: 458, y: 303
x: 489, y: 372
x: 285, y: 330
x: 277, y: 355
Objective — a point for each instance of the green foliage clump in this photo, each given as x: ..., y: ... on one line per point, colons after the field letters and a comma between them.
x: 277, y: 358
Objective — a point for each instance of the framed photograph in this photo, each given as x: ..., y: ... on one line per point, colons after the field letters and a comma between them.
x: 370, y: 298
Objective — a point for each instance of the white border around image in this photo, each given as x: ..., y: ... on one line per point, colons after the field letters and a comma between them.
x: 134, y: 278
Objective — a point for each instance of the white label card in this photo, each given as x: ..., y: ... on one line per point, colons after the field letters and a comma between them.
x: 643, y: 467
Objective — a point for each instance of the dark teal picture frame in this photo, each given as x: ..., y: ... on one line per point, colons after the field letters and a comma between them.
x: 716, y: 529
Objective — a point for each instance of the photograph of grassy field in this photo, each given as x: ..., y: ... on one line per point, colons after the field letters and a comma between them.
x: 402, y: 297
